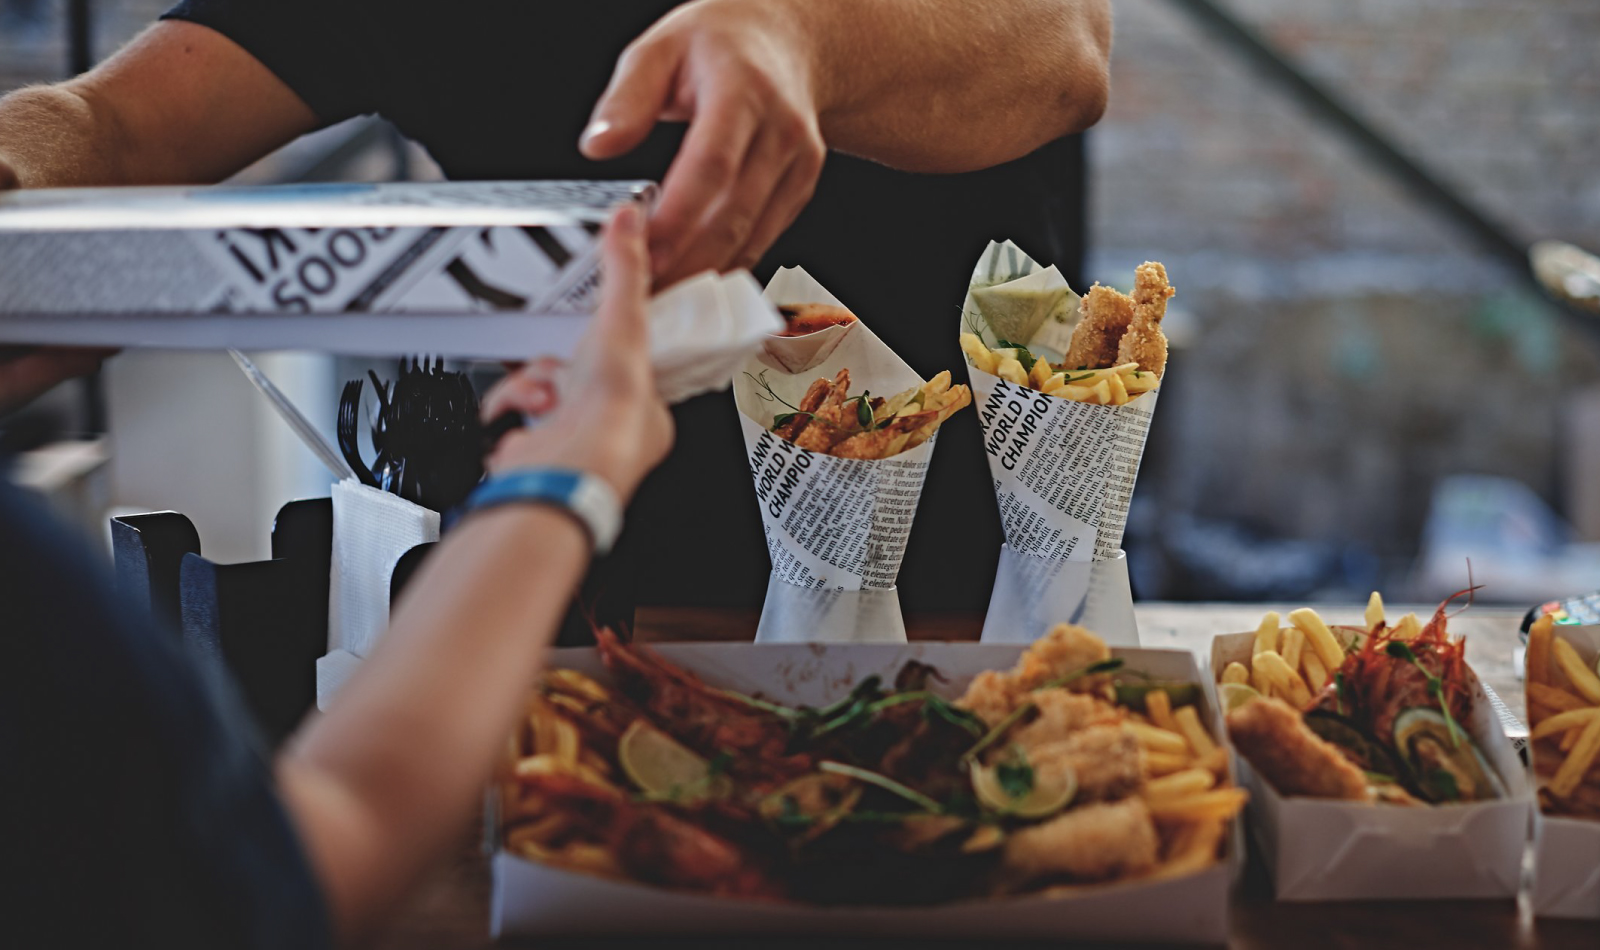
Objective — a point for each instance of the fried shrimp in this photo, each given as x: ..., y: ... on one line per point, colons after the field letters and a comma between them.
x: 1144, y: 342
x: 1105, y: 316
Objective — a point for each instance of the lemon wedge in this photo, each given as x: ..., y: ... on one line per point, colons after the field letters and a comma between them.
x: 1047, y: 794
x: 1234, y: 695
x: 662, y: 767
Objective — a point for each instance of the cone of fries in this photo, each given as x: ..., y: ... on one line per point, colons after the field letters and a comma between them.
x: 1065, y: 387
x: 839, y: 432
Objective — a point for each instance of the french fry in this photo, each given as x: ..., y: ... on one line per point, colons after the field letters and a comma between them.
x: 1583, y: 680
x: 1570, y: 775
x: 1266, y: 633
x: 1216, y: 762
x: 1259, y: 678
x: 1039, y: 374
x: 1408, y: 627
x: 1291, y: 642
x: 1159, y: 705
x: 1166, y: 763
x: 1319, y: 636
x: 1119, y: 392
x: 1102, y: 392
x: 1010, y: 370
x: 981, y: 356
x: 1316, y: 673
x: 1156, y: 739
x: 1537, y: 659
x: 1561, y: 722
x: 1180, y: 784
x: 1282, y: 675
x: 1235, y: 672
x: 1374, y: 614
x: 1570, y: 739
x: 1222, y: 803
x: 1193, y: 731
x: 1554, y: 697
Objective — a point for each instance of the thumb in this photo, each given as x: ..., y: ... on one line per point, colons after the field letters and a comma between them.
x: 625, y: 286
x: 628, y: 109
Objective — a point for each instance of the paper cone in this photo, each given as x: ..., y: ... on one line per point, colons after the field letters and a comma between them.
x: 831, y: 523
x: 1033, y: 594
x: 1063, y: 470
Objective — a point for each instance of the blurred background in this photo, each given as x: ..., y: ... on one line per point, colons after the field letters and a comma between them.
x: 1367, y: 390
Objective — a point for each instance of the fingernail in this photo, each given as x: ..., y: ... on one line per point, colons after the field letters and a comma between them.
x: 596, y: 129
x: 628, y: 219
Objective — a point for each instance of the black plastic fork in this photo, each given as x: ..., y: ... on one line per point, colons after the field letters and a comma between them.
x: 349, y: 418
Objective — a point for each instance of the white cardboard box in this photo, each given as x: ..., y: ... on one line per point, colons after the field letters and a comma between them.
x: 463, y: 269
x: 530, y: 899
x: 1566, y: 870
x: 1329, y: 850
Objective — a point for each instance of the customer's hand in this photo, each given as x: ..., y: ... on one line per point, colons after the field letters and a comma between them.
x: 27, y: 372
x: 603, y: 415
x: 741, y: 74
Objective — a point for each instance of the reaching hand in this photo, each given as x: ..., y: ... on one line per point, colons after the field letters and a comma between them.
x: 28, y: 372
x: 604, y: 416
x: 736, y: 71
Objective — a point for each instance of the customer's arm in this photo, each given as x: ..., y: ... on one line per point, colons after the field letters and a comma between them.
x: 181, y: 104
x: 381, y: 783
x: 766, y: 85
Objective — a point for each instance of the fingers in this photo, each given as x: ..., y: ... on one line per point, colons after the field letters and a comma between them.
x: 727, y: 227
x: 625, y: 287
x: 793, y: 193
x: 712, y: 157
x: 532, y: 390
x: 639, y: 92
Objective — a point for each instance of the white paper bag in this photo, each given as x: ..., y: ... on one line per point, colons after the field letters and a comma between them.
x: 1063, y: 470
x: 831, y: 523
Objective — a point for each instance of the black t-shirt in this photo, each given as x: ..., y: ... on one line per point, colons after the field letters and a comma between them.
x: 501, y: 89
x: 136, y: 809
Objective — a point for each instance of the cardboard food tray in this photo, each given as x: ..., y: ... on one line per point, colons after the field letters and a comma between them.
x: 1328, y: 850
x: 1566, y: 869
x: 530, y: 899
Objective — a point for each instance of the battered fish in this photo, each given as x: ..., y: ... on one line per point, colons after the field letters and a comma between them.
x: 1091, y: 843
x: 1104, y: 315
x: 1106, y: 759
x: 1276, y: 741
x: 1144, y: 342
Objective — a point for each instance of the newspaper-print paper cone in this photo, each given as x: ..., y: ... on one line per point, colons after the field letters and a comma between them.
x: 831, y: 523
x: 1033, y: 594
x: 1063, y: 470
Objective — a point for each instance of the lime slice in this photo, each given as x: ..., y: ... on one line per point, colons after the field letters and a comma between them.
x: 1048, y: 794
x: 1234, y: 695
x: 663, y: 768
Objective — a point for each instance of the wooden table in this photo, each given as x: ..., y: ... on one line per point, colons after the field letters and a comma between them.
x: 451, y: 909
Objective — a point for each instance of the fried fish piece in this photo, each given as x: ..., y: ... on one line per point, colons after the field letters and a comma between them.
x: 1276, y: 741
x: 1105, y: 314
x: 1091, y: 843
x: 1106, y: 759
x: 1066, y: 649
x: 809, y: 403
x: 1062, y: 713
x: 1144, y: 342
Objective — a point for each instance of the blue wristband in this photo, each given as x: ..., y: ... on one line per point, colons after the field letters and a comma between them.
x: 584, y: 496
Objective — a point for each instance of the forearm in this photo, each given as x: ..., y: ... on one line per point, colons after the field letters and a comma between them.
x: 954, y: 85
x: 380, y: 783
x: 56, y: 137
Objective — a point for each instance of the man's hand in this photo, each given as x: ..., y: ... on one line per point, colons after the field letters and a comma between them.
x: 743, y: 76
x: 604, y: 416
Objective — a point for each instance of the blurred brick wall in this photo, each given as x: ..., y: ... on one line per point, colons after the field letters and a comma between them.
x: 1343, y: 346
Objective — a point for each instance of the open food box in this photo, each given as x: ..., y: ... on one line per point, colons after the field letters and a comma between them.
x: 1566, y: 875
x: 531, y: 898
x: 1324, y: 849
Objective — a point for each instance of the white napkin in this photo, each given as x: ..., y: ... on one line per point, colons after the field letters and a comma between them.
x: 372, y: 529
x: 703, y: 329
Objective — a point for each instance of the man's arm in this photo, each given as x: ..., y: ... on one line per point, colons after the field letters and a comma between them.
x: 768, y: 85
x: 181, y: 104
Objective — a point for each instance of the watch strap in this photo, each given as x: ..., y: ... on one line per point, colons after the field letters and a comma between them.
x: 586, y: 497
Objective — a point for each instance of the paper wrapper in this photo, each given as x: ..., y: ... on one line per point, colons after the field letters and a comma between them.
x: 1328, y: 850
x: 530, y: 899
x: 831, y: 523
x: 1566, y: 868
x: 1063, y: 470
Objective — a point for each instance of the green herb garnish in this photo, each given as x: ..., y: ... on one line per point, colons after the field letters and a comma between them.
x: 1402, y: 651
x: 1015, y: 777
x: 864, y: 410
x: 882, y: 781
